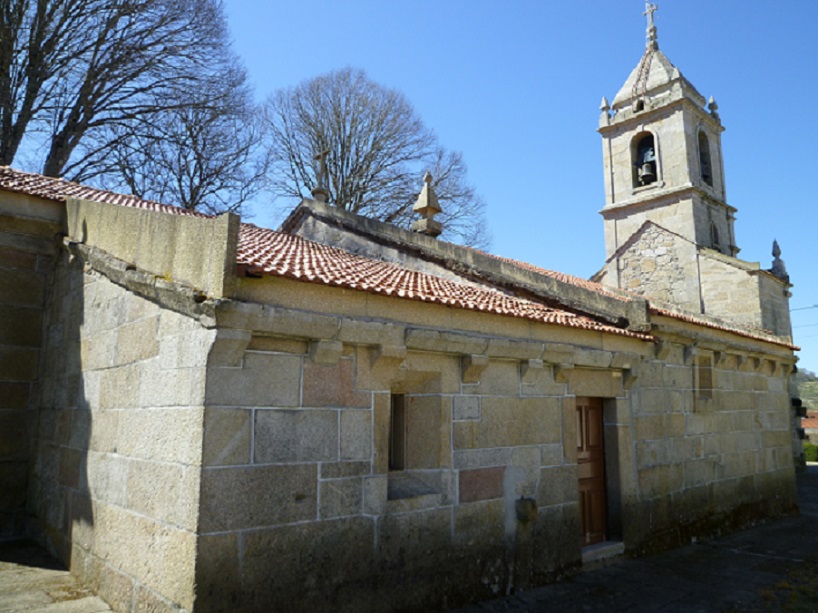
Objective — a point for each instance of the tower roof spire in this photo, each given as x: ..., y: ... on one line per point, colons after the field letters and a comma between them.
x: 652, y: 39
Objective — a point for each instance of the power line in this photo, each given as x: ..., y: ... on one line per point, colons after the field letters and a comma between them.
x: 814, y: 306
x: 806, y: 326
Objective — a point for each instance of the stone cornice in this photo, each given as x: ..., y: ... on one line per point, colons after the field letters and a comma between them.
x: 673, y: 195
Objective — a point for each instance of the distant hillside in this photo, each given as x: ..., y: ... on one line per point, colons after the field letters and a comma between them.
x: 808, y: 388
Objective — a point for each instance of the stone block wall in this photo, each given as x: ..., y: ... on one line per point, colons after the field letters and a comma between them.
x: 711, y: 452
x: 27, y: 231
x: 299, y: 508
x: 115, y: 485
x: 662, y: 266
x: 730, y: 292
x: 242, y: 462
x: 775, y: 305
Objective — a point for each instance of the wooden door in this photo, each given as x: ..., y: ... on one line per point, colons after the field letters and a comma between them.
x: 591, y: 464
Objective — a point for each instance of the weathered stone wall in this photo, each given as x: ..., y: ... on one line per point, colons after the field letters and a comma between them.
x: 707, y: 459
x: 299, y: 510
x: 775, y: 305
x: 730, y: 292
x: 27, y: 230
x: 197, y: 251
x: 661, y: 265
x: 115, y: 486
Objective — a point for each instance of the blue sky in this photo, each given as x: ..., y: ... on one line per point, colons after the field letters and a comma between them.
x: 516, y: 87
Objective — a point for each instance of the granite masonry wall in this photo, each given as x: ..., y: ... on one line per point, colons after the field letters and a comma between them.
x: 115, y: 484
x: 661, y: 265
x: 299, y: 507
x: 27, y: 252
x: 243, y: 454
x: 712, y: 443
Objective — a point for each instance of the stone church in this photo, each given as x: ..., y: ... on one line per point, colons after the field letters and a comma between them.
x: 342, y: 415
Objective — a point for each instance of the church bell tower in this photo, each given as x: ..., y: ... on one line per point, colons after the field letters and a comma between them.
x: 663, y: 157
x: 669, y: 232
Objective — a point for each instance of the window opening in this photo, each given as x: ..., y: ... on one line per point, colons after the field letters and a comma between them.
x: 714, y: 236
x: 645, y: 163
x: 704, y: 376
x: 704, y: 159
x: 397, y: 433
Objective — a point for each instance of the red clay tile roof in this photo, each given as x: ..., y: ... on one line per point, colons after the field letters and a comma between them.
x: 283, y: 255
x: 561, y: 276
x: 689, y: 318
x: 61, y: 190
x: 811, y: 420
x: 277, y: 254
x: 274, y: 253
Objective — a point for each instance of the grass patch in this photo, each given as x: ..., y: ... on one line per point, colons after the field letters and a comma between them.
x: 810, y: 452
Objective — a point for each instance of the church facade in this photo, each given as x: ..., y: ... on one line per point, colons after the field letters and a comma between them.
x: 344, y: 415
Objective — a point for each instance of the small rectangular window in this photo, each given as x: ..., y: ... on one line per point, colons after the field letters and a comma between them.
x: 704, y: 379
x: 397, y: 433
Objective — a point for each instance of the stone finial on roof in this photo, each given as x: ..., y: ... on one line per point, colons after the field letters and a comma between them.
x: 320, y: 192
x: 427, y: 207
x: 605, y: 112
x: 652, y: 38
x: 779, y: 269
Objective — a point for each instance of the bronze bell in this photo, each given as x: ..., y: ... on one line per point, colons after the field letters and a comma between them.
x: 646, y: 173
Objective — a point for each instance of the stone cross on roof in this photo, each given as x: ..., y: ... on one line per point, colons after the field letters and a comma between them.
x: 650, y: 9
x: 320, y: 192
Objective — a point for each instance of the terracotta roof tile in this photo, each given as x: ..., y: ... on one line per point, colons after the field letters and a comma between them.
x: 61, y: 190
x: 274, y: 253
x: 559, y: 276
x: 810, y: 421
x: 767, y: 337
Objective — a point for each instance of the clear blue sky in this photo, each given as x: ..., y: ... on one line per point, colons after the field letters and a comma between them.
x: 516, y: 87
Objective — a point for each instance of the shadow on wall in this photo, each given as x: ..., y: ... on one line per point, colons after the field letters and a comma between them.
x: 59, y: 502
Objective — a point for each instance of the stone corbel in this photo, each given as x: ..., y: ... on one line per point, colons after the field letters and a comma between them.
x: 662, y: 350
x: 228, y: 348
x: 740, y: 361
x: 473, y: 366
x: 530, y: 369
x: 629, y: 377
x: 756, y: 364
x: 691, y: 351
x: 719, y: 359
x: 770, y: 367
x: 562, y: 371
x: 326, y: 353
x: 388, y: 356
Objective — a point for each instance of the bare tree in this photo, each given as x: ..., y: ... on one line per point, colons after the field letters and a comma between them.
x: 203, y: 157
x: 74, y: 73
x: 379, y: 148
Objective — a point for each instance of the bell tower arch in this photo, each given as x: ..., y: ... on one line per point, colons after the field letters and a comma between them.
x: 662, y: 155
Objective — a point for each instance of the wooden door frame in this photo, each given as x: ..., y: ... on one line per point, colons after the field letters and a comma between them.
x: 592, y: 470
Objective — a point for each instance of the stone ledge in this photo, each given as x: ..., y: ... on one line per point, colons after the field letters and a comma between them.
x: 176, y: 297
